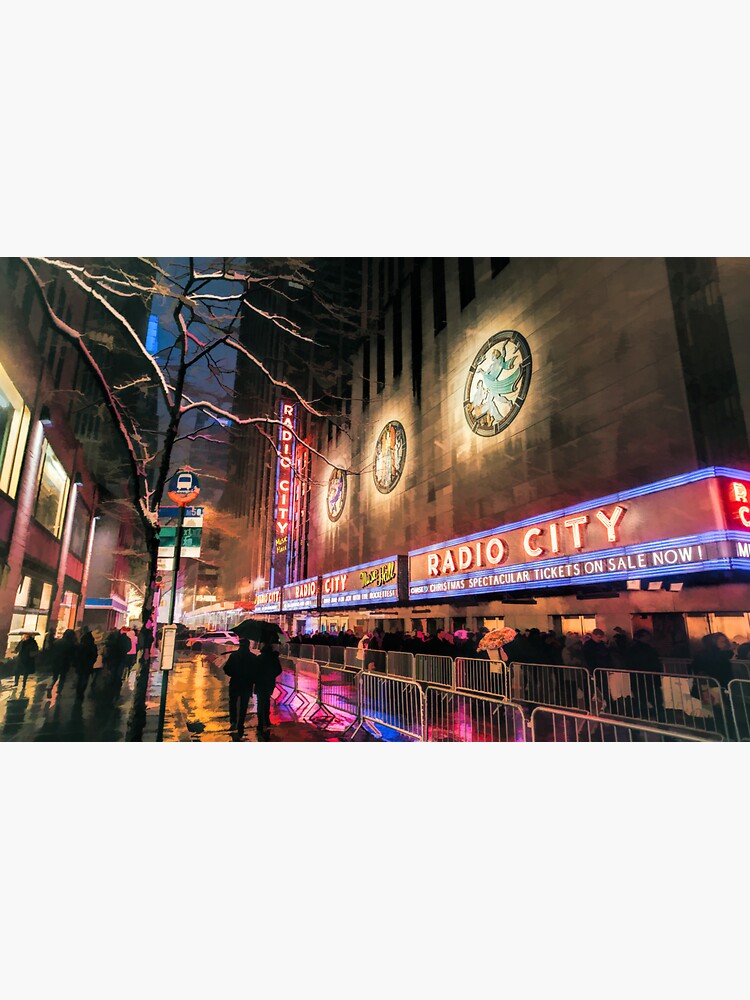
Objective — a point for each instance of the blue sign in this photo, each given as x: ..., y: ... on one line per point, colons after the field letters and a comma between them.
x: 183, y: 487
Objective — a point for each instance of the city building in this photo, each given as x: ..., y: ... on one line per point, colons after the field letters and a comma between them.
x: 550, y: 443
x: 60, y: 469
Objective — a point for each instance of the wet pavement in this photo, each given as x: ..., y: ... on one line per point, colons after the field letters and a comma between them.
x: 197, y: 710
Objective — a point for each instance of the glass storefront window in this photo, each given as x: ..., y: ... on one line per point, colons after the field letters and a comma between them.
x: 52, y: 492
x: 79, y: 535
x: 14, y: 428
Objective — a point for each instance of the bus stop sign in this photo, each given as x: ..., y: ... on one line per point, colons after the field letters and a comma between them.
x: 183, y: 488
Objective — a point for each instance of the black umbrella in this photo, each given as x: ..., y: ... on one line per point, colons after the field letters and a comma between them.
x: 258, y: 631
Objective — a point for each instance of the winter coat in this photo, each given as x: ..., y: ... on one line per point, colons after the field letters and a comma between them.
x: 26, y: 652
x: 86, y: 653
x: 267, y: 669
x: 240, y: 668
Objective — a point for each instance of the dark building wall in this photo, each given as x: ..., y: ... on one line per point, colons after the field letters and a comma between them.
x: 607, y: 406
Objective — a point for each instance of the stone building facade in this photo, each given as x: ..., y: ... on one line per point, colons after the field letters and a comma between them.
x: 640, y: 371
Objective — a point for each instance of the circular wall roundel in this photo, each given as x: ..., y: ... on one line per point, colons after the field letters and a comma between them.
x: 390, y: 456
x: 497, y: 383
x: 336, y: 498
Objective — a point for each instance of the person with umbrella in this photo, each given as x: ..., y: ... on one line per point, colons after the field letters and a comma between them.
x: 267, y: 669
x: 240, y: 669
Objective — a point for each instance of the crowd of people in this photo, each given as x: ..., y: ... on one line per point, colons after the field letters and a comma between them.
x: 592, y: 650
x: 85, y: 656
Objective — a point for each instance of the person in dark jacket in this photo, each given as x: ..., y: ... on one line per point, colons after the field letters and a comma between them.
x: 714, y: 660
x: 640, y: 656
x: 240, y: 668
x: 64, y: 652
x: 86, y: 655
x: 267, y: 669
x: 26, y: 653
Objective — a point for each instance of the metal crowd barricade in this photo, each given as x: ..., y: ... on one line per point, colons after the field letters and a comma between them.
x: 306, y: 688
x: 460, y: 717
x: 321, y: 654
x: 375, y: 660
x: 286, y: 683
x: 550, y: 684
x: 435, y: 670
x: 488, y: 677
x: 741, y: 669
x: 399, y: 664
x: 676, y: 665
x: 338, y: 690
x: 739, y: 699
x: 555, y: 725
x: 305, y: 651
x: 393, y: 702
x: 281, y: 647
x: 675, y: 700
x: 336, y: 655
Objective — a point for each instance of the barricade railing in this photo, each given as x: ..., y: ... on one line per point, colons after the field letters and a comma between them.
x: 393, y: 702
x: 461, y: 717
x: 338, y: 691
x: 550, y: 684
x: 306, y: 688
x: 488, y: 677
x: 681, y: 666
x: 372, y: 659
x: 674, y: 700
x: 399, y: 664
x: 556, y: 725
x: 321, y: 654
x: 336, y: 655
x: 282, y: 648
x: 286, y: 682
x: 305, y: 651
x: 739, y: 699
x: 432, y: 669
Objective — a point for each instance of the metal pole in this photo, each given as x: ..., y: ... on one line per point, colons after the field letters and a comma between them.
x: 172, y: 598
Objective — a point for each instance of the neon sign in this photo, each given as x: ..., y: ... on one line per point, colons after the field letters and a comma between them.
x: 302, y: 596
x: 626, y: 535
x: 375, y: 583
x: 268, y: 602
x: 284, y: 505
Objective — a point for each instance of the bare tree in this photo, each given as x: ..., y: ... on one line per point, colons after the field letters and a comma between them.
x: 188, y: 375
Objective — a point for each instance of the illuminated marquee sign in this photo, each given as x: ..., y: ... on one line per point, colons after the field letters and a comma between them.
x: 302, y: 596
x: 667, y: 528
x: 375, y: 583
x: 268, y: 602
x: 285, y: 472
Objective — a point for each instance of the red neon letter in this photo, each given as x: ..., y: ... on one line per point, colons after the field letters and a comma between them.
x: 575, y: 523
x: 610, y: 523
x: 532, y: 550
x: 498, y: 553
x: 464, y: 557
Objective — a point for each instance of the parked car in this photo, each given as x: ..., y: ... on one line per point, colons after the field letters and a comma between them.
x: 212, y: 639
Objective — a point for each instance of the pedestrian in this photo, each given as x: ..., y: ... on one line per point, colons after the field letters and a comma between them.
x: 714, y: 660
x: 597, y: 655
x: 145, y: 641
x: 267, y: 669
x: 26, y: 654
x: 63, y: 652
x: 240, y: 669
x: 86, y: 656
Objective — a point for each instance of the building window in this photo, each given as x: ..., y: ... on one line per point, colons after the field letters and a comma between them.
x: 439, y: 309
x: 52, y: 492
x: 466, y: 288
x: 80, y: 533
x: 381, y: 361
x: 14, y: 430
x: 498, y: 264
x: 398, y: 345
x: 416, y: 332
x: 365, y: 374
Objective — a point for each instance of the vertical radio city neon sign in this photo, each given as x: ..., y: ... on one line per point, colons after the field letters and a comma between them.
x: 284, y: 489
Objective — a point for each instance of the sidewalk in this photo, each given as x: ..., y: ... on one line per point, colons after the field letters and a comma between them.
x: 40, y: 712
x: 198, y: 710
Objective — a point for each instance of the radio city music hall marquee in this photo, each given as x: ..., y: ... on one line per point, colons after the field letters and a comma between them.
x: 381, y: 582
x: 302, y: 596
x: 690, y: 523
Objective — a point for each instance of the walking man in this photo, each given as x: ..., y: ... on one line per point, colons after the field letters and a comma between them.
x: 268, y: 668
x: 240, y: 669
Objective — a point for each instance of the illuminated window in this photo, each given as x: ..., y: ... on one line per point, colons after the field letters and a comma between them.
x: 52, y: 492
x: 14, y: 429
